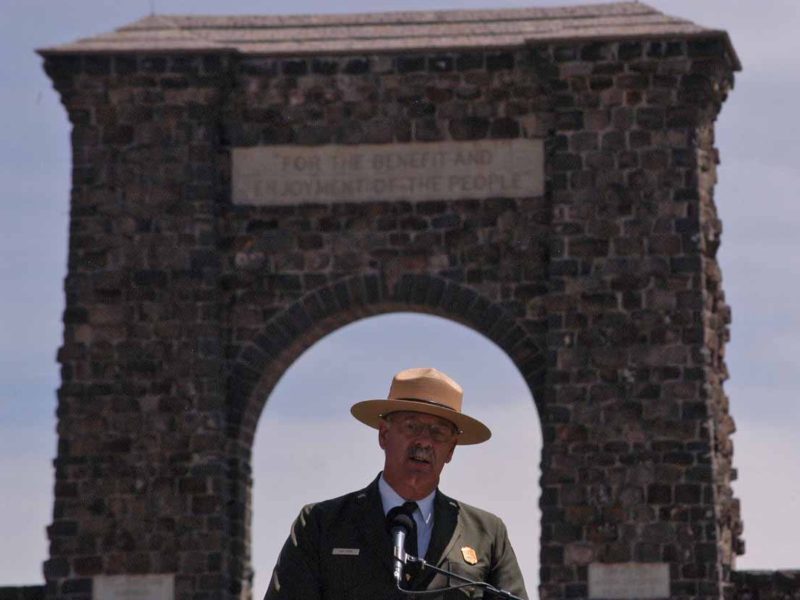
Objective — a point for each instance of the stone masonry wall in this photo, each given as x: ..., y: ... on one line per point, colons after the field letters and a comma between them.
x: 766, y: 585
x: 27, y: 592
x: 183, y: 310
x: 283, y: 260
x: 629, y: 322
x: 141, y: 472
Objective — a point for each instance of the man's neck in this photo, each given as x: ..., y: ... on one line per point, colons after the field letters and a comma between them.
x: 410, y: 489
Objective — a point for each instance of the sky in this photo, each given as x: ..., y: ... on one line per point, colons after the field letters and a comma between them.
x: 306, y: 434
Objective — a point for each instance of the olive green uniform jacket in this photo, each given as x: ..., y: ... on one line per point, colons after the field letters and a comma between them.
x: 340, y: 550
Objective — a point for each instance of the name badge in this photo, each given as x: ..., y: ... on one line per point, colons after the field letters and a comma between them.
x: 346, y: 551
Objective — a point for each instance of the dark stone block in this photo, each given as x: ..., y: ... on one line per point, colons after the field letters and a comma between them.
x: 650, y: 118
x: 633, y: 81
x: 410, y: 64
x: 470, y: 61
x: 569, y: 120
x: 565, y: 53
x: 63, y: 66
x: 153, y: 64
x: 184, y: 64
x: 440, y: 64
x: 277, y: 135
x: 552, y: 555
x: 75, y: 315
x: 576, y: 590
x: 706, y: 47
x: 174, y: 83
x: 420, y: 108
x: 688, y: 493
x: 294, y: 67
x: 150, y: 278
x: 629, y: 50
x: 77, y: 586
x: 694, y: 410
x: 313, y: 135
x: 504, y: 128
x: 679, y: 458
x: 685, y: 264
x: 659, y: 494
x: 608, y: 68
x: 682, y: 116
x: 499, y: 61
x: 597, y: 51
x: 94, y: 64
x: 427, y: 130
x: 125, y: 65
x: 564, y: 161
x: 260, y: 66
x: 469, y: 128
x: 211, y: 63
x: 357, y: 66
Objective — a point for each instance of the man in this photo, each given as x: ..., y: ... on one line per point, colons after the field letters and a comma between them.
x: 340, y: 549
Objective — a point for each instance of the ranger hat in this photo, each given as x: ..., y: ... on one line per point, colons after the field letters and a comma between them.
x: 428, y: 391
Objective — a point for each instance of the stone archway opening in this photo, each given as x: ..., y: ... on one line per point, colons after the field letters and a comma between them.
x: 308, y: 447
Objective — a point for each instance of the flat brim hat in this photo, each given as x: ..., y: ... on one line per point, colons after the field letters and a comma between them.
x: 427, y: 391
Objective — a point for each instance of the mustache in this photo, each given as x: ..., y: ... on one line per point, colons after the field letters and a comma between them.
x: 420, y: 453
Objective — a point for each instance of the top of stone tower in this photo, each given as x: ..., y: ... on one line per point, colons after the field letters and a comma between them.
x: 276, y: 35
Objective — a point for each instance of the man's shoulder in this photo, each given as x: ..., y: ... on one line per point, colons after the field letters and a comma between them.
x: 474, y: 515
x: 336, y: 505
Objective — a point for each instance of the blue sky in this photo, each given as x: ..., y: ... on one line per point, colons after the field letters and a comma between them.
x: 756, y: 198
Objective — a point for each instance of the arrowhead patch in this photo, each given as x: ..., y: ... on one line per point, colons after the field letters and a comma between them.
x: 469, y: 554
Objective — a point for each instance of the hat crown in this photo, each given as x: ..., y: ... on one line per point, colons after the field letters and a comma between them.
x: 427, y: 385
x: 428, y: 391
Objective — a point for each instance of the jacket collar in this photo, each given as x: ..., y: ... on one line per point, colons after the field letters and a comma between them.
x: 378, y: 542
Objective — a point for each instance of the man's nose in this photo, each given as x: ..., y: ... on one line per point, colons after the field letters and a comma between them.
x: 425, y: 434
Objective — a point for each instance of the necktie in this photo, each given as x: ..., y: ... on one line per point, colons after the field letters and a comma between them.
x: 411, y: 541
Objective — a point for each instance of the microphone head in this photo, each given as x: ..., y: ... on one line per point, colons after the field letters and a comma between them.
x: 398, y: 517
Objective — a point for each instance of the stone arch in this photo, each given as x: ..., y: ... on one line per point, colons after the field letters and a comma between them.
x: 260, y: 364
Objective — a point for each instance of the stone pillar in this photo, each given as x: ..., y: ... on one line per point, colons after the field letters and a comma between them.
x: 141, y: 472
x: 635, y: 467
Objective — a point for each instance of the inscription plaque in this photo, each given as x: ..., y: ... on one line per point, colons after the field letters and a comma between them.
x: 268, y: 175
x: 133, y: 587
x: 626, y: 581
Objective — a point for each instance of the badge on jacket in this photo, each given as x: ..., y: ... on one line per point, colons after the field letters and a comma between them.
x: 469, y: 554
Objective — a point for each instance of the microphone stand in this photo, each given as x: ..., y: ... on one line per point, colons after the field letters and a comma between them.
x: 469, y: 582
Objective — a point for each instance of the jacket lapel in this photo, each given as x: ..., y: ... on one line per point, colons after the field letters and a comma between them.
x: 372, y: 525
x: 446, y: 532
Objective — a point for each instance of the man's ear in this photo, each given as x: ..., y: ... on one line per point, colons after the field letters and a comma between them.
x: 382, y: 434
x: 450, y: 454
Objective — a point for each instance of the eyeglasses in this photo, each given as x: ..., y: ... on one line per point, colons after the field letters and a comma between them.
x: 412, y: 428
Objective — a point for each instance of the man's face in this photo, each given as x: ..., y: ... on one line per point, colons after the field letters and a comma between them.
x: 417, y: 446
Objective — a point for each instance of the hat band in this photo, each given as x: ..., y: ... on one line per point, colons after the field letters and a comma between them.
x: 432, y: 402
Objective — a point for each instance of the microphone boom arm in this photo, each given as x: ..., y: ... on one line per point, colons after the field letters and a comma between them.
x: 467, y: 582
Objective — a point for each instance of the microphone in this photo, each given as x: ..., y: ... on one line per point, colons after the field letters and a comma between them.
x: 400, y: 524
